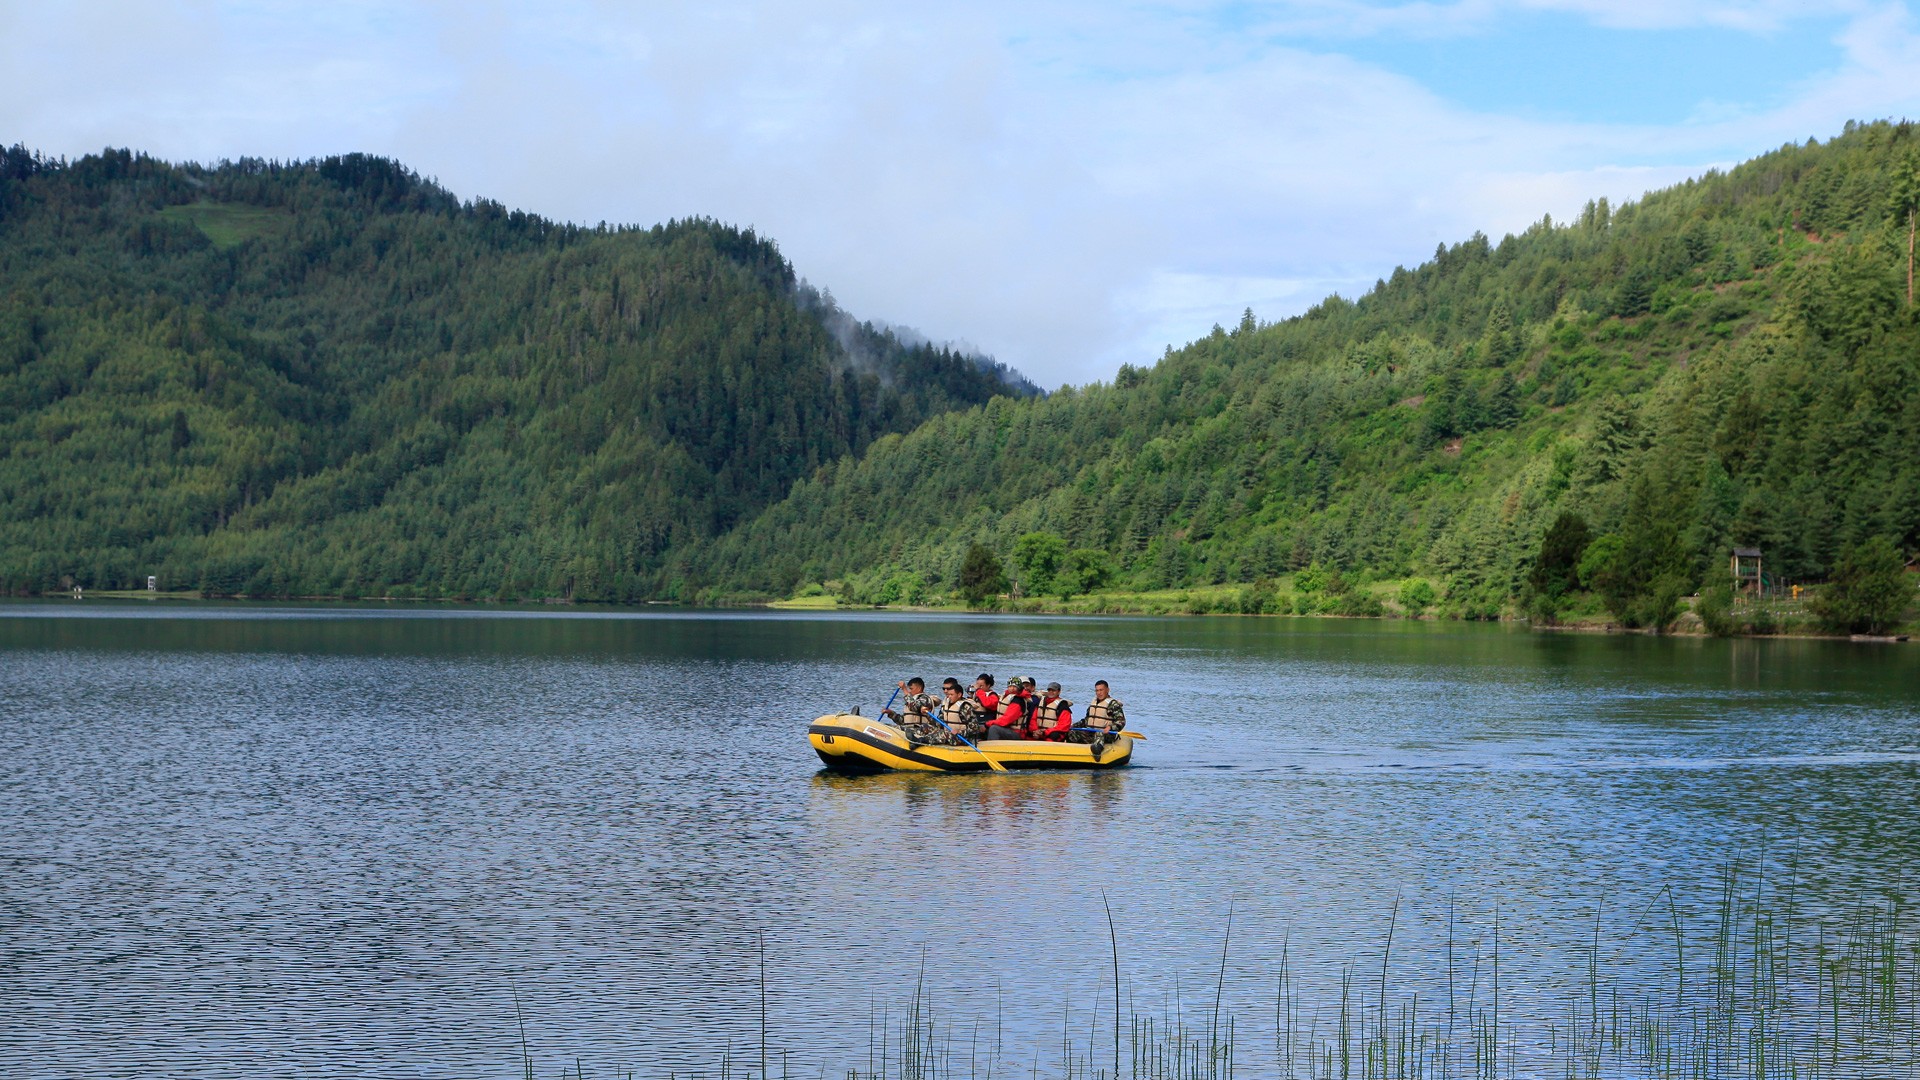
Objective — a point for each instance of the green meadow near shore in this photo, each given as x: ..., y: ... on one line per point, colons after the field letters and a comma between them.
x: 229, y: 379
x: 1411, y: 598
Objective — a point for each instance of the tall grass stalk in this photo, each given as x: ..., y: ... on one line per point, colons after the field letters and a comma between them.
x: 1785, y: 994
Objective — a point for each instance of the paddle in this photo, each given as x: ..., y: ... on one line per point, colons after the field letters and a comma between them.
x: 997, y: 767
x: 1104, y: 731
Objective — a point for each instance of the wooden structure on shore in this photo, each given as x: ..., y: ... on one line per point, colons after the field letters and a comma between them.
x: 1747, y: 577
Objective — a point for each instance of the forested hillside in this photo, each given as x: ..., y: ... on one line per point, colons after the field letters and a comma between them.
x: 335, y: 378
x: 1733, y: 361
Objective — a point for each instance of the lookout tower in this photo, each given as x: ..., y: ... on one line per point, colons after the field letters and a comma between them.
x: 1746, y: 570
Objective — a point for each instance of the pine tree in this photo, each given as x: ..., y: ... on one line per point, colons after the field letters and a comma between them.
x: 1906, y: 203
x: 1502, y: 406
x: 981, y: 575
x: 1499, y: 344
x: 1556, y: 568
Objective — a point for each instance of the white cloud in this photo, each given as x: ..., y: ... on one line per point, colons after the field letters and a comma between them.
x: 1356, y: 18
x: 1169, y: 305
x: 1069, y: 186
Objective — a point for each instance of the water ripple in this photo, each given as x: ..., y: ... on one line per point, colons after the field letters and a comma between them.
x: 260, y: 840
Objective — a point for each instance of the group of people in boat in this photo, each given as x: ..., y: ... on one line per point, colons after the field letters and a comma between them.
x: 1021, y: 712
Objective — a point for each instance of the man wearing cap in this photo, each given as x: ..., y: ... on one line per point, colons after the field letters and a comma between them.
x: 1052, y: 716
x: 1015, y: 708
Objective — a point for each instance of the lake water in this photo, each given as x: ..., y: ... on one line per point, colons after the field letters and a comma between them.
x: 255, y: 840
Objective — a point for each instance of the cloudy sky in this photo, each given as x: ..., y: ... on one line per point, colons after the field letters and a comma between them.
x: 1068, y: 185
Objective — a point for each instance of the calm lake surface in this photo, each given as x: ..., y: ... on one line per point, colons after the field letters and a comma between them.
x: 256, y: 840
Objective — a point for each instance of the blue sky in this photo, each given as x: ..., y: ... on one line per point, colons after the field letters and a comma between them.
x: 1559, y: 66
x: 1068, y: 185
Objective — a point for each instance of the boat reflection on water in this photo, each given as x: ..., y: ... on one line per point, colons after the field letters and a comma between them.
x: 1028, y: 804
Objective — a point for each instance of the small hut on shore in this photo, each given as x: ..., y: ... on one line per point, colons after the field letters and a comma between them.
x: 1747, y: 577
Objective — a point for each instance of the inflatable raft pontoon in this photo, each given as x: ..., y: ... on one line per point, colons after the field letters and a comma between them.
x: 851, y: 743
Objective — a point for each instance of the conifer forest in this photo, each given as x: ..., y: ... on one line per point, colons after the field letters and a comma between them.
x: 333, y: 378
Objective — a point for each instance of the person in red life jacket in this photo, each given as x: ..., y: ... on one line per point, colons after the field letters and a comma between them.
x: 1016, y: 706
x: 984, y: 696
x: 1052, y: 716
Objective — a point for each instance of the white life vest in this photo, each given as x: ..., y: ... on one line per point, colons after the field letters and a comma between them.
x: 954, y: 714
x: 1097, y: 716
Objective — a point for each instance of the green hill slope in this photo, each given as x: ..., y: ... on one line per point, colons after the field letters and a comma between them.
x: 1732, y: 361
x: 334, y: 378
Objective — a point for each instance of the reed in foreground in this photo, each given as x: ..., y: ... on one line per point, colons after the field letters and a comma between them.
x: 1766, y: 990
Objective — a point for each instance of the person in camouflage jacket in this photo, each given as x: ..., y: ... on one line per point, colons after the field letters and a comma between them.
x: 959, y: 716
x: 916, y: 715
x: 1105, y: 718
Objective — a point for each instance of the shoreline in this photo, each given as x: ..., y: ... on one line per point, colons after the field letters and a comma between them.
x: 1905, y: 634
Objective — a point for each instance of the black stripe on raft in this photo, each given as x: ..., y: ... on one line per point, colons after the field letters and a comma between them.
x: 865, y: 739
x: 855, y: 763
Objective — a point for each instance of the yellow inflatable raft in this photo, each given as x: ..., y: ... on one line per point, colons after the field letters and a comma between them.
x: 850, y: 743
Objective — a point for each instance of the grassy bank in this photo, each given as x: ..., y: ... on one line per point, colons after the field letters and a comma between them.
x: 1404, y: 598
x: 1288, y: 594
x: 133, y: 594
x: 1407, y: 598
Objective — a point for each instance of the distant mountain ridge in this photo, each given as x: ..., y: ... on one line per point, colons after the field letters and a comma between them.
x: 334, y: 377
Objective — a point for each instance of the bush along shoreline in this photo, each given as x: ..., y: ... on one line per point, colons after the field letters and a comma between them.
x: 1571, y: 587
x: 1866, y: 608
